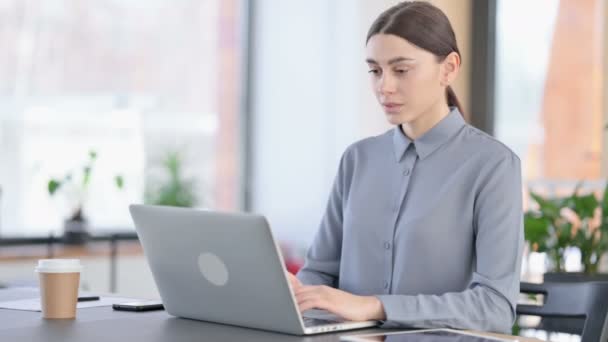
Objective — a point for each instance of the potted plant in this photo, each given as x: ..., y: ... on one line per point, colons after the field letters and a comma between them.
x: 173, y: 189
x: 76, y: 224
x: 578, y: 220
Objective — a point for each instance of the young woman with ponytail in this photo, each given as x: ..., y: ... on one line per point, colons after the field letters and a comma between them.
x: 423, y: 227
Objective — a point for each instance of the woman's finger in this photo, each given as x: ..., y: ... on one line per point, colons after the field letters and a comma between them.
x: 313, y: 304
x: 295, y: 282
x: 310, y: 288
x: 307, y: 297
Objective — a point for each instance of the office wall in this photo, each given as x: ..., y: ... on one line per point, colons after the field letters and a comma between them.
x: 311, y: 99
x: 304, y: 107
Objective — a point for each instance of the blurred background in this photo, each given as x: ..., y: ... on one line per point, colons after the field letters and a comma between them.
x: 239, y: 105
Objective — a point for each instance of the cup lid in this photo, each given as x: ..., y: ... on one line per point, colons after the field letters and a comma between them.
x: 59, y: 265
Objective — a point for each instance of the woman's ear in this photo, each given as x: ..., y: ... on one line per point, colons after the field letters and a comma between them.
x: 449, y: 68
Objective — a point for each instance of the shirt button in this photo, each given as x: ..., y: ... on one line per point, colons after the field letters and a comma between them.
x: 406, y: 172
x: 386, y: 284
x: 387, y: 245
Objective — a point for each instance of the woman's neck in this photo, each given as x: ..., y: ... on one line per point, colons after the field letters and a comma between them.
x: 427, y: 120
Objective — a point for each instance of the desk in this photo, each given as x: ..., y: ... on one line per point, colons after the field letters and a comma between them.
x: 105, y: 324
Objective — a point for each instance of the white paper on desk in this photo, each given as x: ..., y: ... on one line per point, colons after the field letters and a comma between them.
x: 34, y: 303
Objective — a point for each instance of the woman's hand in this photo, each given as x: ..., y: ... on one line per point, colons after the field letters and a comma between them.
x: 341, y: 303
x: 295, y: 282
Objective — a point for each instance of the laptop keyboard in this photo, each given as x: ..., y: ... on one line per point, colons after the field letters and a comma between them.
x: 313, y: 322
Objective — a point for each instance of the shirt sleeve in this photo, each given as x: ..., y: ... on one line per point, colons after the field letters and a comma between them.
x: 488, y: 304
x: 322, y: 264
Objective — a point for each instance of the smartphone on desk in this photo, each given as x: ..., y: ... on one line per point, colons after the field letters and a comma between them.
x: 139, y: 306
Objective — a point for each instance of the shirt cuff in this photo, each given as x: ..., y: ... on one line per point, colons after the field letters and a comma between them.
x: 397, y: 309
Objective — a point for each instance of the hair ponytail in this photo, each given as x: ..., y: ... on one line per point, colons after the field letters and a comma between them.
x: 453, y: 99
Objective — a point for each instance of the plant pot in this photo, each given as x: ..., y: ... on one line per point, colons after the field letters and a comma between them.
x: 75, y: 232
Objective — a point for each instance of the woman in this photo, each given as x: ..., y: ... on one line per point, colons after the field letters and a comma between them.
x: 424, y: 223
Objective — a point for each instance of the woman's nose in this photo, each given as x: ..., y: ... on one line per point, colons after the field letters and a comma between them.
x: 386, y: 84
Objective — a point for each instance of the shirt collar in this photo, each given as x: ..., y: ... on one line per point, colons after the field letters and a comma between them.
x: 431, y: 140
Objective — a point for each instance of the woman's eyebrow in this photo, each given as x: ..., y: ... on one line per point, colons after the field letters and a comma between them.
x: 392, y: 60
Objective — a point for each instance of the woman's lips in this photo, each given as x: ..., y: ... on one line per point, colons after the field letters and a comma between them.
x: 392, y: 108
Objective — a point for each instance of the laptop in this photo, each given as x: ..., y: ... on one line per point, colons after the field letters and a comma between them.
x: 225, y: 268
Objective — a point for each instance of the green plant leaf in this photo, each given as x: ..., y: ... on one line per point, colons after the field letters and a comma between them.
x: 536, y: 230
x: 549, y: 208
x: 175, y: 190
x: 583, y: 240
x: 173, y: 164
x: 603, y: 243
x: 92, y: 154
x: 584, y: 206
x: 119, y: 180
x: 563, y: 230
x: 53, y: 186
x: 86, y: 178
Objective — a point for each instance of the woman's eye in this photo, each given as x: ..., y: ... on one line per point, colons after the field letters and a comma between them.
x: 374, y: 71
x: 401, y: 71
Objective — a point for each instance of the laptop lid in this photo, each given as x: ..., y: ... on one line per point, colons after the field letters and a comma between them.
x: 218, y: 267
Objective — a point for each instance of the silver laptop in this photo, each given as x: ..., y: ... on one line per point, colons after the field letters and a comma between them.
x: 224, y: 268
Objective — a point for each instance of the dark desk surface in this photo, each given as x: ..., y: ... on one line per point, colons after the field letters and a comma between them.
x: 105, y: 324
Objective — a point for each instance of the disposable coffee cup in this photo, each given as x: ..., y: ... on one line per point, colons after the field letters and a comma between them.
x: 59, y: 282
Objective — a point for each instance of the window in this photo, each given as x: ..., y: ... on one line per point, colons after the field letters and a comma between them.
x: 548, y: 97
x: 549, y: 86
x: 131, y: 80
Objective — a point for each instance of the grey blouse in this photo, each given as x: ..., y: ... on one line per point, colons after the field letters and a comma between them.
x: 432, y: 227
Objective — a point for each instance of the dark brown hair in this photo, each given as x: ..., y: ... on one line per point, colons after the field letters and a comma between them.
x: 423, y: 25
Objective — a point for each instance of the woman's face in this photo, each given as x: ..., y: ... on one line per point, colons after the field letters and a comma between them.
x: 407, y: 80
